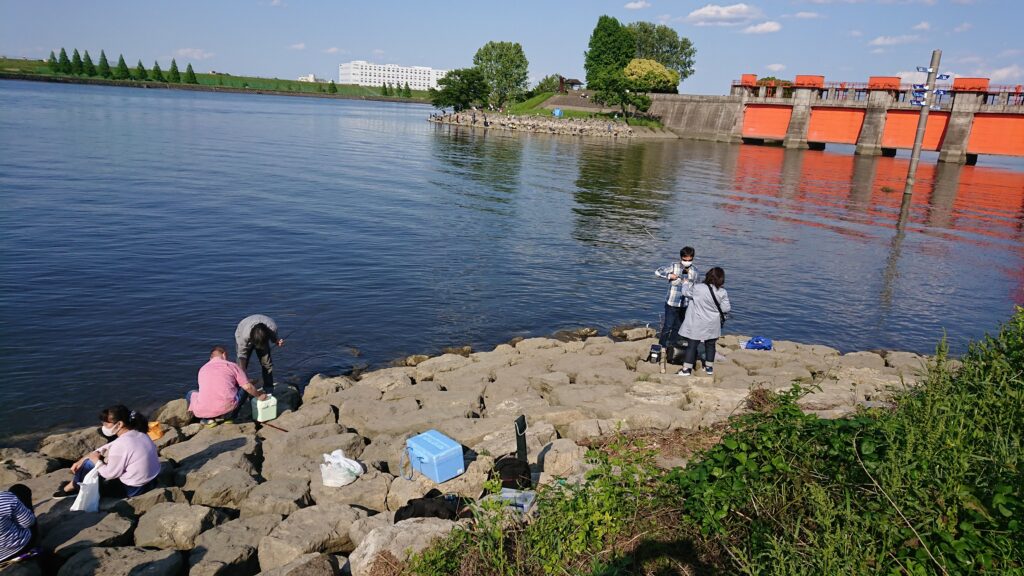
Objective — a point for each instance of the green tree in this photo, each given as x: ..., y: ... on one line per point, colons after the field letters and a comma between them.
x: 140, y: 72
x: 173, y: 75
x: 384, y: 89
x: 64, y: 63
x: 76, y: 63
x: 651, y: 76
x: 52, y: 63
x: 104, y: 67
x: 611, y: 47
x: 549, y: 83
x: 158, y: 75
x: 505, y: 69
x: 88, y: 68
x: 406, y: 91
x: 460, y: 89
x: 663, y: 45
x: 190, y: 76
x: 332, y: 88
x: 122, y: 72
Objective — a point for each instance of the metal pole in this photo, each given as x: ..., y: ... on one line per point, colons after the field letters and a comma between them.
x: 922, y: 122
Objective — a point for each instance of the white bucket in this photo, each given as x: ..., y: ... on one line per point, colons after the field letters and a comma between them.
x: 263, y: 410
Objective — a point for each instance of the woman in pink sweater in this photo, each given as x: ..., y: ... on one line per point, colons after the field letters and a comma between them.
x: 128, y: 466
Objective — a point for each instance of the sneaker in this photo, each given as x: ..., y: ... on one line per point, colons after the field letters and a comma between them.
x: 61, y: 493
x: 709, y: 370
x: 208, y: 422
x: 685, y: 372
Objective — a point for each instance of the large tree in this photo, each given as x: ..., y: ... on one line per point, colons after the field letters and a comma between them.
x: 140, y: 72
x: 611, y: 47
x: 190, y: 75
x: 549, y: 83
x: 332, y: 88
x: 173, y: 75
x: 460, y: 89
x: 158, y: 74
x: 52, y: 63
x: 663, y: 45
x: 76, y: 63
x: 505, y: 69
x: 122, y: 72
x: 650, y: 76
x: 63, y: 63
x: 104, y: 67
x: 88, y: 68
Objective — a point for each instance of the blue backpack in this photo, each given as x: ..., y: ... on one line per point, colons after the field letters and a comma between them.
x: 759, y: 343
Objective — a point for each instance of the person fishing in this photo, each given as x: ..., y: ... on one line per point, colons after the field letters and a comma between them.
x: 679, y: 275
x: 256, y: 333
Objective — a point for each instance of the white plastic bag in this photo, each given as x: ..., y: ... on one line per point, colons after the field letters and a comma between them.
x: 337, y: 470
x: 88, y: 499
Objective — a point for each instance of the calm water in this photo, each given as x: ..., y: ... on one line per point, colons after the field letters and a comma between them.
x: 137, y: 227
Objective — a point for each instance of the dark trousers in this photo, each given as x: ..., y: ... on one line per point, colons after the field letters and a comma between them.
x: 670, y: 325
x: 266, y: 366
x: 691, y: 351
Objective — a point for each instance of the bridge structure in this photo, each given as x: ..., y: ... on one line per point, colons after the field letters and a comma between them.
x: 970, y: 117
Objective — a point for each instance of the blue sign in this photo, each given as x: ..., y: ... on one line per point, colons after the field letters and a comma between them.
x: 557, y: 112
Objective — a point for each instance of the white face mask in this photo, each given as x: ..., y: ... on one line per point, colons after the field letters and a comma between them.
x: 686, y: 264
x: 110, y: 431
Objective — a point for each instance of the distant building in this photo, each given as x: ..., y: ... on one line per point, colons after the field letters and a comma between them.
x: 311, y: 78
x: 365, y: 73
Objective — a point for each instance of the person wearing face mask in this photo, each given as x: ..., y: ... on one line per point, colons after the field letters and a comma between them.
x: 128, y: 465
x: 679, y: 275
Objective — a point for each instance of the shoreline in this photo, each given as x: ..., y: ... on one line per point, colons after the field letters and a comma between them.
x: 196, y: 88
x: 580, y: 127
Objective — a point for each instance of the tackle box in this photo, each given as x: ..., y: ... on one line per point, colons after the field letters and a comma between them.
x: 435, y: 455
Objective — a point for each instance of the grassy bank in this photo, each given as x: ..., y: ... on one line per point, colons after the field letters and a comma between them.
x: 215, y: 81
x: 534, y: 107
x: 934, y: 485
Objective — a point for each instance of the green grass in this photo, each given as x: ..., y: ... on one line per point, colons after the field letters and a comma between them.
x: 39, y: 67
x: 534, y: 107
x: 932, y: 486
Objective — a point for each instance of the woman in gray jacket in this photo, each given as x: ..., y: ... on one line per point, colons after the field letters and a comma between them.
x: 704, y: 318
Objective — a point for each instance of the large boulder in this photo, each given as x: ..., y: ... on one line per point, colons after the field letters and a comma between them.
x: 387, y: 379
x: 230, y: 549
x: 360, y: 528
x: 276, y: 497
x: 227, y: 489
x: 562, y: 458
x: 469, y: 484
x: 443, y: 363
x: 175, y: 413
x: 76, y: 531
x: 309, y: 415
x: 71, y: 446
x: 312, y: 564
x: 139, y: 505
x: 401, y: 540
x: 321, y: 385
x: 369, y: 491
x: 31, y: 463
x: 320, y: 528
x: 124, y: 561
x: 174, y: 526
x: 862, y: 360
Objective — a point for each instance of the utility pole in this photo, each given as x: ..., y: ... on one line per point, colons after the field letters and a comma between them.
x: 922, y: 122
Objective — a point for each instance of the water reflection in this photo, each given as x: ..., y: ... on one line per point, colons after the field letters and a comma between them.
x: 492, y: 160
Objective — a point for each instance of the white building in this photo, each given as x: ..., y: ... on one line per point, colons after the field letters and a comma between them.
x: 310, y: 78
x: 365, y: 73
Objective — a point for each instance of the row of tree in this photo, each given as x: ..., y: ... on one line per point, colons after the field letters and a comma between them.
x: 625, y: 62
x: 387, y: 89
x: 83, y: 66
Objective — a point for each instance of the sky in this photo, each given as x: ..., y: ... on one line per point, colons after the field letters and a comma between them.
x: 844, y: 40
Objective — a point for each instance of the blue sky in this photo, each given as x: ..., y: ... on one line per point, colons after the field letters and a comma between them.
x: 842, y: 39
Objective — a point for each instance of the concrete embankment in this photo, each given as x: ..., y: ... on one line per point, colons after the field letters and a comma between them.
x: 246, y: 498
x: 590, y: 127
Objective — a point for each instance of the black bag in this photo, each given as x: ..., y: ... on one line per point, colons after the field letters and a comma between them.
x: 432, y: 505
x: 514, y: 473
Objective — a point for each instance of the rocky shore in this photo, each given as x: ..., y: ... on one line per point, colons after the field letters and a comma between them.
x: 542, y: 124
x: 247, y: 498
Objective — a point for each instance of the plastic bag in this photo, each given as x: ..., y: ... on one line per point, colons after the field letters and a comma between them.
x: 88, y: 499
x: 337, y: 470
x: 759, y: 343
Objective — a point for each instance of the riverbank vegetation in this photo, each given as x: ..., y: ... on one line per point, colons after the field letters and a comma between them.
x: 932, y: 484
x: 81, y: 66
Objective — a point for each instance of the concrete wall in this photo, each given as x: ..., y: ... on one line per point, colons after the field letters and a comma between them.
x: 714, y: 118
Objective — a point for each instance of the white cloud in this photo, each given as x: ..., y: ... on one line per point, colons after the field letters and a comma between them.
x: 776, y: 67
x: 193, y: 53
x: 335, y: 50
x: 807, y: 15
x: 763, y: 28
x: 855, y: 33
x: 1009, y: 73
x: 963, y: 27
x: 922, y: 26
x: 1011, y: 53
x: 277, y: 3
x: 716, y: 15
x: 637, y: 5
x: 663, y: 18
x: 894, y: 40
x: 298, y: 46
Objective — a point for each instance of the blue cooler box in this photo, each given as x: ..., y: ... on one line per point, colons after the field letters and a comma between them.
x: 435, y: 455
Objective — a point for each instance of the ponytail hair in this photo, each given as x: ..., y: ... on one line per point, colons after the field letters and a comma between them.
x: 132, y: 420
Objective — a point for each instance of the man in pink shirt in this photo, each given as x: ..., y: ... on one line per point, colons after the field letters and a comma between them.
x: 222, y: 387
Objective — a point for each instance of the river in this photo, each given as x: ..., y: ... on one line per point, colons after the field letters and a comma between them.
x: 137, y: 227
